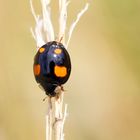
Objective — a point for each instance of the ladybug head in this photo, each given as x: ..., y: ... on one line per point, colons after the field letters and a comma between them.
x: 49, y: 89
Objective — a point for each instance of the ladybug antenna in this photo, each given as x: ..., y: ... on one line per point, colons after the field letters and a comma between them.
x: 61, y: 38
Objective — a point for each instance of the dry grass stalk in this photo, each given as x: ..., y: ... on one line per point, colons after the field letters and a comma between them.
x: 43, y: 33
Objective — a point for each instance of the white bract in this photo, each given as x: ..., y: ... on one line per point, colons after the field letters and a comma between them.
x: 44, y: 32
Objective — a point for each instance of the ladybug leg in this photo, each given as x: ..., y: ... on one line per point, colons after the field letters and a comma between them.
x: 57, y: 91
x: 45, y: 98
x: 61, y: 39
x: 62, y: 88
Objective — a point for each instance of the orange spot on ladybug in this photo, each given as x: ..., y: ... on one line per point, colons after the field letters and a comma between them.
x: 37, y: 69
x: 41, y: 50
x: 60, y: 71
x: 57, y: 51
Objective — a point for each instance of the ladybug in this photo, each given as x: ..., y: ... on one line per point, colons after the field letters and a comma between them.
x: 52, y: 67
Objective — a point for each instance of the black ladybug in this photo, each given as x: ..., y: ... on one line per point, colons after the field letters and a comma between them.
x: 52, y: 67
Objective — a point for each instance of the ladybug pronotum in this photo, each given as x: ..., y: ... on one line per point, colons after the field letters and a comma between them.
x: 52, y: 67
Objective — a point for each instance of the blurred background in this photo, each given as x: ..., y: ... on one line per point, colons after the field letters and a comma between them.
x: 103, y: 92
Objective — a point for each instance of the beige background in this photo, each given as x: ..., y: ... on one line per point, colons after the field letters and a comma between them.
x: 103, y: 92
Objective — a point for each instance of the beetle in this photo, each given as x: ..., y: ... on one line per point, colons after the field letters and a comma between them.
x: 52, y: 67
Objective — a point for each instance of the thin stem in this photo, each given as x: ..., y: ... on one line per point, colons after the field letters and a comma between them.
x: 75, y: 23
x: 43, y: 33
x: 59, y: 118
x: 63, y: 121
x: 59, y: 125
x: 62, y: 18
x: 47, y: 127
x: 49, y: 120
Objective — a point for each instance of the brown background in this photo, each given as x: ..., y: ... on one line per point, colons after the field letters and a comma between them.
x: 103, y: 92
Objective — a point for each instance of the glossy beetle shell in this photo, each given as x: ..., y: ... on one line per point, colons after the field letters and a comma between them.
x: 52, y: 66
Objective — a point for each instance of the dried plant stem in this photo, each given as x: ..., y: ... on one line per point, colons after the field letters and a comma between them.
x: 55, y: 119
x: 62, y: 18
x: 43, y: 33
x: 49, y: 120
x: 59, y: 117
x: 75, y: 23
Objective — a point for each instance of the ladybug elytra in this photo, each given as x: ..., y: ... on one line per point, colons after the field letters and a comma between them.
x: 52, y: 66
